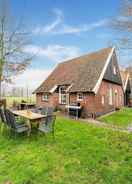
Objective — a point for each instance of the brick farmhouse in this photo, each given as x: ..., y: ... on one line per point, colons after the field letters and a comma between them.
x: 94, y: 81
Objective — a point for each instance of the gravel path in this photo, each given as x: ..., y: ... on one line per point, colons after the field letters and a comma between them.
x: 105, y: 125
x: 101, y: 124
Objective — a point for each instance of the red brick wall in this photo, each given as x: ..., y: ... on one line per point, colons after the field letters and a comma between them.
x: 117, y: 100
x: 91, y: 103
x: 87, y: 103
x: 52, y: 102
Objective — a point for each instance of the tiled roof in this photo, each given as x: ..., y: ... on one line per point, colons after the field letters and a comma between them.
x: 82, y: 72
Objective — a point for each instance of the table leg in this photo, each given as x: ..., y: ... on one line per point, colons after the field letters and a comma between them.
x: 38, y: 123
x: 29, y: 125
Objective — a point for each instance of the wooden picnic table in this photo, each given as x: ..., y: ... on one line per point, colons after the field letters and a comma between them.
x: 30, y: 116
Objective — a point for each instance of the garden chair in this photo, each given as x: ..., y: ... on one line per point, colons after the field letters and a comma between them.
x: 44, y: 110
x: 41, y: 110
x: 14, y: 126
x: 47, y: 126
x: 3, y: 118
x: 50, y: 111
x: 36, y: 109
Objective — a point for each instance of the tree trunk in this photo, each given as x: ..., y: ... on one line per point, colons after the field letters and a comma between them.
x: 2, y: 101
x: 0, y: 89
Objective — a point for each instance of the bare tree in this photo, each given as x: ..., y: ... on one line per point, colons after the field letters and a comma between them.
x: 129, y: 70
x: 122, y: 24
x: 13, y: 39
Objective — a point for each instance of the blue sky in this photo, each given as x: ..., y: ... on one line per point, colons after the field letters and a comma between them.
x: 62, y: 30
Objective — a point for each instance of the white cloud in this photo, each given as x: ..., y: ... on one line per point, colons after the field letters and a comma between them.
x: 54, y: 53
x: 59, y: 27
x: 50, y: 27
x: 31, y: 78
x: 123, y: 18
x: 67, y: 29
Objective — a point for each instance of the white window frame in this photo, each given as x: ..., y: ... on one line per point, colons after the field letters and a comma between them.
x: 103, y: 100
x: 110, y: 96
x: 45, y: 97
x: 80, y: 95
x: 114, y: 70
x: 62, y: 95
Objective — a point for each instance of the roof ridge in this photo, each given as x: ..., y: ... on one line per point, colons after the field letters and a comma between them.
x: 84, y: 55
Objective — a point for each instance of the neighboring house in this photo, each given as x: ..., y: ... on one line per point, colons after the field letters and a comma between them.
x: 129, y: 70
x: 92, y: 80
x: 126, y: 87
x: 130, y: 97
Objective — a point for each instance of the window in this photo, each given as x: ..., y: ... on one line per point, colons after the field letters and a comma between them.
x: 114, y: 70
x: 45, y: 97
x: 121, y: 97
x: 103, y: 100
x: 116, y: 98
x: 80, y: 96
x: 110, y: 96
x: 62, y: 95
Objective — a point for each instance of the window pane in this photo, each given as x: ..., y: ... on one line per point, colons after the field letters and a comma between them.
x: 63, y: 98
x: 114, y: 70
x: 103, y: 100
x: 110, y: 96
x: 45, y: 97
x: 62, y: 95
x: 80, y: 96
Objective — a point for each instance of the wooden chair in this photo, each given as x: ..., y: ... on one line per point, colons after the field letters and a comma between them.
x: 44, y: 110
x: 50, y: 111
x: 48, y: 125
x: 2, y: 115
x: 14, y: 126
x: 2, y: 107
x: 41, y: 110
x: 7, y: 119
x: 3, y: 118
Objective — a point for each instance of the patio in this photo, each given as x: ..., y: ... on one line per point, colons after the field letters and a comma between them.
x: 22, y: 121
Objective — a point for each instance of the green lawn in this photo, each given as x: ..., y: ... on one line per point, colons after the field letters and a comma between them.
x: 122, y: 118
x: 81, y: 154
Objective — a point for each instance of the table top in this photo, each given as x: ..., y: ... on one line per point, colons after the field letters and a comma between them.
x: 28, y: 114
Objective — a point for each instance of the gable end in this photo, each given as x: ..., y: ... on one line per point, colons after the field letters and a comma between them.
x: 97, y: 86
x: 112, y: 73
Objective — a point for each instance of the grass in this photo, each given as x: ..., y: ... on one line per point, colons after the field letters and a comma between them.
x: 81, y: 154
x: 122, y: 118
